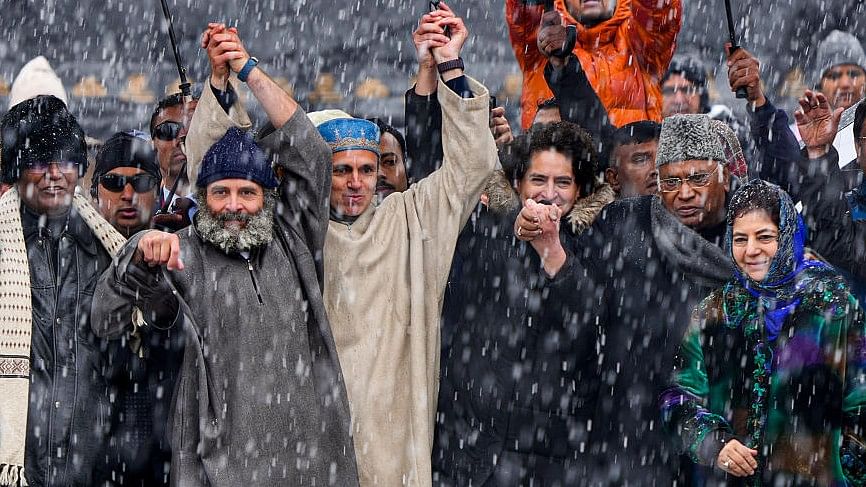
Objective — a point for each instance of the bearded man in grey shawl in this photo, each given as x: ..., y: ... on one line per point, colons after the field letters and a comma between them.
x: 260, y: 399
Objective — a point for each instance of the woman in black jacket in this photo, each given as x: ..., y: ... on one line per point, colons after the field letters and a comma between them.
x: 518, y: 368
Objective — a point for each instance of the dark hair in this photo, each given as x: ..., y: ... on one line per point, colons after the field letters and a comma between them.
x: 385, y: 128
x: 564, y: 137
x: 694, y: 71
x: 548, y: 104
x: 171, y: 100
x: 635, y: 133
x: 755, y: 195
x: 859, y: 117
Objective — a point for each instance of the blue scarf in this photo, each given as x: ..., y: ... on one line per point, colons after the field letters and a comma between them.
x: 779, y: 293
x: 857, y: 202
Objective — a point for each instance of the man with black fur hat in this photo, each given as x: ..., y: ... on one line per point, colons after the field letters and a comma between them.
x: 54, y: 373
x: 260, y: 399
x: 126, y: 181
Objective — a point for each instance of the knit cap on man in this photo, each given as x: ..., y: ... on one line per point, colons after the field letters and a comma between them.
x: 236, y: 156
x: 694, y: 71
x: 836, y: 49
x: 132, y: 148
x: 687, y: 137
x: 40, y: 129
x: 36, y: 78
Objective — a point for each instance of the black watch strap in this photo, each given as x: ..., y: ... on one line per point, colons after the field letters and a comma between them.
x: 449, y: 65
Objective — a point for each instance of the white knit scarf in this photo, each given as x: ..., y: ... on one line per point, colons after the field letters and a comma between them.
x: 15, y: 325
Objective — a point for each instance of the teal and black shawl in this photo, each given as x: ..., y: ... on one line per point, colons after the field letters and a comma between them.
x: 780, y: 365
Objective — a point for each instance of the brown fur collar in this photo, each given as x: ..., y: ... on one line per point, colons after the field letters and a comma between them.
x: 502, y: 198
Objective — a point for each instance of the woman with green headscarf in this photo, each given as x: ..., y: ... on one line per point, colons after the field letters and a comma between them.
x: 770, y: 384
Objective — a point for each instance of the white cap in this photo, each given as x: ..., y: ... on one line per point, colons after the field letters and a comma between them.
x: 322, y: 116
x: 36, y: 78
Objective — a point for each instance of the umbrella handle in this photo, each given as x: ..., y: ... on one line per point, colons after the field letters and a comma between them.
x: 740, y: 92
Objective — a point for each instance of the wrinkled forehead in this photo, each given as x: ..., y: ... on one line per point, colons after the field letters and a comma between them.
x: 683, y: 169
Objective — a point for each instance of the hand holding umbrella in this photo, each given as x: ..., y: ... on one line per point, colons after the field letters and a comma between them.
x: 732, y: 35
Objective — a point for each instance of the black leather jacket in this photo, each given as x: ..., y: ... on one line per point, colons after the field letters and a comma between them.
x: 68, y: 418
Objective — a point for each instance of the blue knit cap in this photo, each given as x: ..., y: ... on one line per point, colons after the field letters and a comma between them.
x: 350, y: 134
x: 236, y: 156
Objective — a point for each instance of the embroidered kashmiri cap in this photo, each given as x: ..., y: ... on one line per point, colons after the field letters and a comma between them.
x: 686, y: 137
x: 343, y: 132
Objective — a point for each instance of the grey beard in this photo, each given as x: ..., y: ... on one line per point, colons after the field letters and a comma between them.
x: 259, y: 229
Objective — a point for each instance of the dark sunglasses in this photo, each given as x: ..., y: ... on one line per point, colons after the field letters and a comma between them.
x: 167, y: 131
x: 141, y: 183
x: 42, y: 167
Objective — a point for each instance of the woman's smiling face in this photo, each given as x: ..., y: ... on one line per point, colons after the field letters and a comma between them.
x: 755, y: 241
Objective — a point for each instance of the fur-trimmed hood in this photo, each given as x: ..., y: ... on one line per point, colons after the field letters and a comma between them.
x: 502, y: 198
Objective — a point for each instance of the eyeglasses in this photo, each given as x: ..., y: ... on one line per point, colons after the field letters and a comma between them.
x: 39, y: 167
x: 860, y: 140
x: 141, y: 183
x: 167, y: 131
x: 699, y: 180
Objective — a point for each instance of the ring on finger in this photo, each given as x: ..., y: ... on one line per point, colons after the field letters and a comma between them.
x: 727, y: 463
x: 519, y: 231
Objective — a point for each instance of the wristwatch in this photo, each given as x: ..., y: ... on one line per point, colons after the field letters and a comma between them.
x: 449, y: 65
x: 248, y: 67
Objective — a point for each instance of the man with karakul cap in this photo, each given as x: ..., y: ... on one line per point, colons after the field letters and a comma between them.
x: 671, y: 243
x: 54, y: 373
x: 839, y: 73
x: 386, y: 266
x: 260, y: 399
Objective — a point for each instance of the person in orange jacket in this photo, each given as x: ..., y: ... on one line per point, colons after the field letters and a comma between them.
x: 624, y: 47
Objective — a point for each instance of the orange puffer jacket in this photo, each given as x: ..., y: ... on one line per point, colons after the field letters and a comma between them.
x: 624, y: 57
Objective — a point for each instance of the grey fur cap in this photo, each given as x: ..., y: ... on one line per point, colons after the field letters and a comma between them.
x: 688, y: 136
x: 837, y: 48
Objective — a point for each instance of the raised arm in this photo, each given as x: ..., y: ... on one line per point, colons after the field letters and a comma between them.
x: 423, y: 114
x: 444, y: 200
x: 652, y: 32
x: 776, y: 149
x: 301, y: 158
x: 833, y: 232
x: 523, y: 20
x: 578, y: 102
